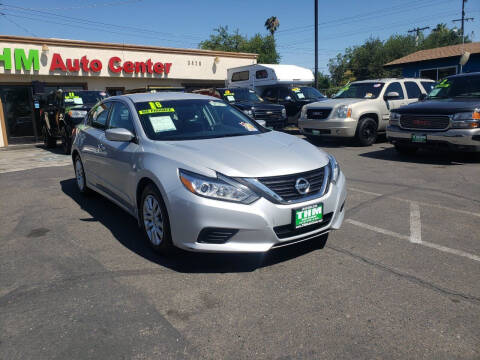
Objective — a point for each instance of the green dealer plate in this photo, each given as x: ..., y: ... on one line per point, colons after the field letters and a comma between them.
x: 308, y: 215
x: 419, y: 138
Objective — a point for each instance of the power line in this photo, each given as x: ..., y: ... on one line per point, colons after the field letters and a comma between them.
x: 93, y: 5
x: 463, y: 19
x: 6, y: 17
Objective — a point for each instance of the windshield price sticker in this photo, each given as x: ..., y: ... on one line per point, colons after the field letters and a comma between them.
x: 377, y: 85
x: 248, y: 126
x: 368, y: 95
x: 162, y: 123
x: 230, y: 98
x: 156, y: 107
x: 218, y: 103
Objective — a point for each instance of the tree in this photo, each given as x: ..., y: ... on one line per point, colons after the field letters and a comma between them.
x: 272, y: 24
x: 224, y: 40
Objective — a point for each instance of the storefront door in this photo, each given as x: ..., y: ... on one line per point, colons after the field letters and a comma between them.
x: 18, y: 111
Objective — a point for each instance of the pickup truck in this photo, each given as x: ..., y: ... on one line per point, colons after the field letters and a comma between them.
x: 449, y: 118
x: 360, y: 109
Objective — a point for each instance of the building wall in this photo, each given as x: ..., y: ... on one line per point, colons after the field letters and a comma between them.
x: 413, y: 69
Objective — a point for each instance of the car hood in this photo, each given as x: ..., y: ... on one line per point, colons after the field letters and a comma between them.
x: 248, y: 105
x: 268, y: 154
x: 440, y: 106
x: 335, y: 102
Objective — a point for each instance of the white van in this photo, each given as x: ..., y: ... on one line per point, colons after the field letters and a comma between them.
x: 257, y: 76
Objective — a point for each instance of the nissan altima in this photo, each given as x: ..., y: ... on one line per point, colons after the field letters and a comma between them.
x: 200, y: 175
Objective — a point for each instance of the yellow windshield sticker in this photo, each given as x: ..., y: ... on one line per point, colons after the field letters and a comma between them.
x: 296, y: 89
x: 71, y: 95
x: 227, y: 92
x: 155, y: 108
x: 443, y: 84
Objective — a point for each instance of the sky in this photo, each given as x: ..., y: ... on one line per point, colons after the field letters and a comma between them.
x: 184, y: 23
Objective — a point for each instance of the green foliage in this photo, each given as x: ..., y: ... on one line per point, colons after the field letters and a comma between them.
x: 366, y: 61
x: 224, y: 40
x: 272, y: 24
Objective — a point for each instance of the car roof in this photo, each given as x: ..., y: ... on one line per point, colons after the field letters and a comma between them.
x: 391, y: 79
x: 162, y: 96
x: 464, y: 74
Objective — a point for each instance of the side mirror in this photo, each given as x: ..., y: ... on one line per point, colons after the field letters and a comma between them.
x: 119, y: 134
x: 391, y: 95
x: 422, y: 97
x: 288, y: 98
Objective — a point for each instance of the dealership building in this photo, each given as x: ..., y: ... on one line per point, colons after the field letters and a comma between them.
x: 32, y: 67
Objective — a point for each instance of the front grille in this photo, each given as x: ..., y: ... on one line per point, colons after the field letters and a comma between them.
x: 318, y: 114
x: 286, y: 231
x: 215, y: 235
x: 267, y: 114
x: 284, y: 185
x: 424, y: 122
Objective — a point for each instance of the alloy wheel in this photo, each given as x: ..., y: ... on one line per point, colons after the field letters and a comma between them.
x: 79, y: 174
x: 153, y: 220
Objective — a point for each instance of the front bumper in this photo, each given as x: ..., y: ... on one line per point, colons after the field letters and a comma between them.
x: 189, y: 214
x: 335, y: 127
x: 454, y: 139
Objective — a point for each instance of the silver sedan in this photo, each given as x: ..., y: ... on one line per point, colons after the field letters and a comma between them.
x: 200, y: 175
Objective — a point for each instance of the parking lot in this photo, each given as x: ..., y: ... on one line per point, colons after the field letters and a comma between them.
x: 399, y: 280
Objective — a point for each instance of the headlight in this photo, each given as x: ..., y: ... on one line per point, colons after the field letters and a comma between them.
x: 343, y: 112
x: 284, y: 113
x: 77, y: 113
x: 248, y: 113
x: 466, y: 120
x: 303, y: 114
x: 220, y: 188
x: 334, y: 168
x: 394, y: 118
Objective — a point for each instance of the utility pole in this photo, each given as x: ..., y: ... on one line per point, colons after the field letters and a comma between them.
x: 316, y: 43
x: 417, y: 31
x: 463, y: 19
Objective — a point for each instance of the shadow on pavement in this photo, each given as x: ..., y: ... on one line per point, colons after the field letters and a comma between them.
x: 424, y: 156
x: 327, y: 142
x: 54, y: 150
x: 125, y: 229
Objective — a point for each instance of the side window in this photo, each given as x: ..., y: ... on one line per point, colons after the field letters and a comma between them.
x: 428, y: 86
x: 241, y: 76
x: 283, y: 93
x: 120, y: 117
x: 270, y: 95
x: 413, y: 91
x: 261, y: 74
x: 396, y: 87
x: 99, y: 116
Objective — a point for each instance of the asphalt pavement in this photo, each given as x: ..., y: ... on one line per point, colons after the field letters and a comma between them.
x: 400, y: 280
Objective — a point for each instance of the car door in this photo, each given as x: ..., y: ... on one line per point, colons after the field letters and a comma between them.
x: 391, y: 104
x: 92, y: 149
x: 120, y: 157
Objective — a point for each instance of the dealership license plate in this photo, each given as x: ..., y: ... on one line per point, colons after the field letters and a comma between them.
x: 419, y: 138
x: 316, y: 132
x: 308, y: 215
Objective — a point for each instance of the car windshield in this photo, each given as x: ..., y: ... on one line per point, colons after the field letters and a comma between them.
x: 369, y: 90
x: 307, y: 92
x: 193, y: 119
x: 457, y: 87
x: 83, y: 97
x: 239, y: 95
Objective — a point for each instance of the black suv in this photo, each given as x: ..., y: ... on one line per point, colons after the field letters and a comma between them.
x: 448, y: 117
x: 63, y: 111
x: 292, y: 97
x: 251, y: 104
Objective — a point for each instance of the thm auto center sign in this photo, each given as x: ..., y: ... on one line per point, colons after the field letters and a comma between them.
x: 31, y: 60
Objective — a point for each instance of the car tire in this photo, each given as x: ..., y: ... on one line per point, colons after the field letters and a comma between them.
x: 48, y: 140
x: 80, y: 177
x: 406, y: 150
x: 154, y: 221
x: 66, y: 142
x: 366, y: 131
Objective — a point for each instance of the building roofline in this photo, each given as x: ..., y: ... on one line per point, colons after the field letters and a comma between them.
x: 116, y: 46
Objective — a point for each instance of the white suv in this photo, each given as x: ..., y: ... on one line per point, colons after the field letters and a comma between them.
x: 361, y: 109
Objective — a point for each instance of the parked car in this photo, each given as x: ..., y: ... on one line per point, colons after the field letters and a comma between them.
x: 449, y: 117
x: 361, y: 109
x: 64, y: 110
x: 293, y: 97
x: 199, y: 174
x: 274, y: 116
x: 154, y: 89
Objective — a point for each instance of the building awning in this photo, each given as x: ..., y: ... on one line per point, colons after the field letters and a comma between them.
x: 437, y: 53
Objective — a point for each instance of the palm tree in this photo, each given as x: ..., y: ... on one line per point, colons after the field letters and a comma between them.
x: 272, y: 24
